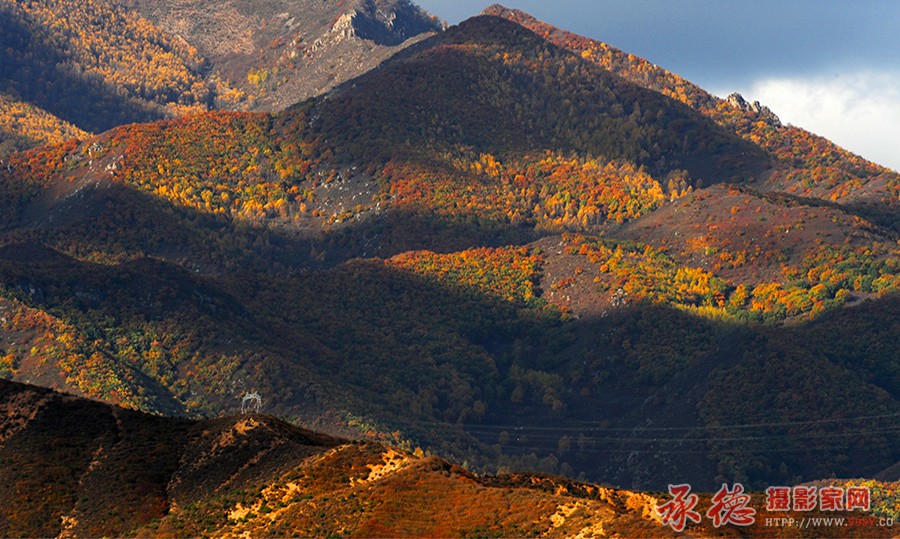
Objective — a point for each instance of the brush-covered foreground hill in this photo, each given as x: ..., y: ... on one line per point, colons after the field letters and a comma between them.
x: 73, y: 66
x: 77, y: 468
x: 492, y: 247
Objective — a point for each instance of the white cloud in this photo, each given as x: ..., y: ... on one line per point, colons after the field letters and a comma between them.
x: 859, y: 111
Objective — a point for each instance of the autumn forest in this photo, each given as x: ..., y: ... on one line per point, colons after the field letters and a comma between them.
x: 507, y: 246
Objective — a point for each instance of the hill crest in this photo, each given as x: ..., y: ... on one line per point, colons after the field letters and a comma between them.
x: 77, y: 467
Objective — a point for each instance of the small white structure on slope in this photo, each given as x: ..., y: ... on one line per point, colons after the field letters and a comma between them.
x: 251, y: 403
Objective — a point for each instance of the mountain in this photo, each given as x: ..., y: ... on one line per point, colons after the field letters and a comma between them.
x: 81, y: 468
x: 815, y: 166
x: 492, y: 246
x: 279, y: 53
x: 90, y: 65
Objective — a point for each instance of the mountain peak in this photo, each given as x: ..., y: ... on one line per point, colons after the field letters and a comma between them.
x: 764, y: 113
x: 134, y: 61
x: 497, y: 10
x: 384, y: 22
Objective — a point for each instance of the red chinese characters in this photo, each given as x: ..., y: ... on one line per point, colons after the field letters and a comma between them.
x: 778, y: 499
x: 858, y: 498
x: 831, y: 499
x: 677, y: 511
x: 805, y: 498
x: 731, y: 506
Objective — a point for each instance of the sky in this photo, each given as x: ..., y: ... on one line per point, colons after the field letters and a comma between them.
x: 829, y: 66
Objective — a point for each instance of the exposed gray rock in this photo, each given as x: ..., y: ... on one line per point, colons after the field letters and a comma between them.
x: 763, y: 112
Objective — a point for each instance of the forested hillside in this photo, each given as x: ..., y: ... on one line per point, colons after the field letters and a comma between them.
x: 68, y: 67
x: 495, y: 247
x: 97, y: 65
x: 281, y: 52
x: 815, y: 166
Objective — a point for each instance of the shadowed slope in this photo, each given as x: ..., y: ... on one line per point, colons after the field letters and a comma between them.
x: 76, y: 468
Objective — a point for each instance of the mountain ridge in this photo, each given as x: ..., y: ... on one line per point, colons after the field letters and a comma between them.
x: 286, y: 47
x: 78, y: 66
x: 118, y: 472
x: 817, y: 174
x: 472, y: 246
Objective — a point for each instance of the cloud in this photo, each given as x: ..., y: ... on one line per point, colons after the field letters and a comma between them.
x: 859, y: 111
